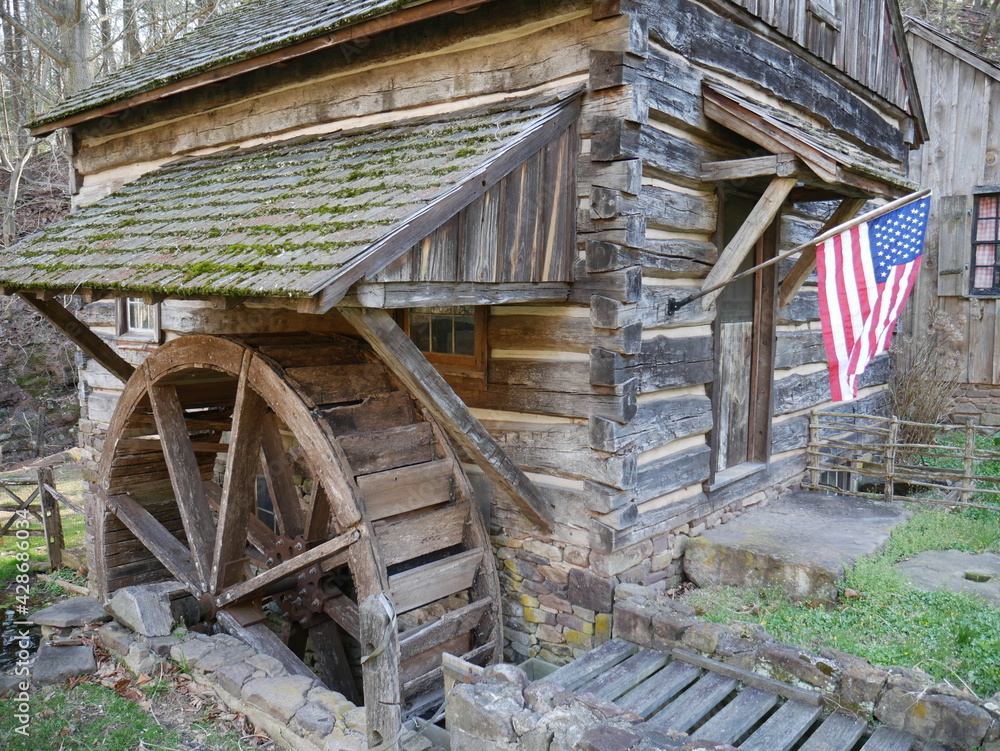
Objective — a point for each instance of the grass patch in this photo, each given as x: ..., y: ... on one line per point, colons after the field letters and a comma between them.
x: 953, y: 637
x: 91, y: 716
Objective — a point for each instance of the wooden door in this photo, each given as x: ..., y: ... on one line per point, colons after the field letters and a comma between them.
x: 744, y: 351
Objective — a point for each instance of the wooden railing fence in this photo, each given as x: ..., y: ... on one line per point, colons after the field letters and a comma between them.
x: 896, y: 459
x: 36, y: 497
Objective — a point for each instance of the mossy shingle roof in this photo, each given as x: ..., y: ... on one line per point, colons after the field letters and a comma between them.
x: 277, y: 220
x: 254, y: 28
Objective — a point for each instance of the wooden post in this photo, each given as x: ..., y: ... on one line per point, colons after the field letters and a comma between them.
x: 814, y: 451
x: 890, y: 457
x: 380, y: 673
x: 970, y: 450
x: 51, y: 520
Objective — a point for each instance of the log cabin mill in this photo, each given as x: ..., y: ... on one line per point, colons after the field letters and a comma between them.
x: 958, y: 292
x: 377, y: 300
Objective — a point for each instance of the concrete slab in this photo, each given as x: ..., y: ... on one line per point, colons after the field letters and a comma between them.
x: 802, y: 542
x: 78, y: 611
x: 974, y: 573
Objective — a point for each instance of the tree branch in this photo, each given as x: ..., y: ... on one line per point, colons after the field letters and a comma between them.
x: 44, y: 46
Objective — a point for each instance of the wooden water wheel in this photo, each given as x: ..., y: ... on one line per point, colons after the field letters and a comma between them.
x: 368, y: 497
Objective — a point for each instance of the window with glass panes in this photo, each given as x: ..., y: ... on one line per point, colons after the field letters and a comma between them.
x: 449, y: 334
x: 986, y: 245
x: 137, y: 319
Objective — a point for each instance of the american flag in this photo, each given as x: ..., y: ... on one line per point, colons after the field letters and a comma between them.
x: 865, y: 275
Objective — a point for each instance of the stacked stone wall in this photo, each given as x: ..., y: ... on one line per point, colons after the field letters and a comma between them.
x: 979, y: 402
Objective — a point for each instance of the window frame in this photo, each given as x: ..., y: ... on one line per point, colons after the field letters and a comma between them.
x: 125, y: 334
x: 974, y: 243
x: 467, y: 366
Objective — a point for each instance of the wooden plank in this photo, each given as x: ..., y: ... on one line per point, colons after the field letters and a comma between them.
x: 784, y: 728
x: 696, y: 702
x: 239, y: 501
x: 51, y: 519
x: 378, y: 450
x: 332, y: 384
x: 397, y: 491
x: 430, y: 659
x: 185, y: 476
x: 280, y: 479
x: 344, y: 611
x: 376, y: 412
x: 412, y: 368
x: 77, y: 332
x: 806, y: 262
x: 422, y: 294
x: 652, y: 695
x: 432, y: 581
x: 157, y: 539
x: 380, y: 673
x: 626, y: 675
x: 749, y: 233
x: 592, y: 664
x: 252, y: 587
x: 801, y: 695
x: 437, y: 632
x: 414, y: 536
x: 265, y: 641
x: 737, y: 717
x: 839, y: 732
x: 887, y: 739
x: 332, y: 659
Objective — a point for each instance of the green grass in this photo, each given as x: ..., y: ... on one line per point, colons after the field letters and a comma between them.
x: 951, y: 636
x: 91, y: 716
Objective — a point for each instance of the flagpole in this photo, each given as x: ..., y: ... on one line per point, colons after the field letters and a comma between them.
x: 674, y: 305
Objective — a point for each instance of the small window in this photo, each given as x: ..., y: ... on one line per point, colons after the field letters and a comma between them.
x: 452, y: 337
x: 138, y: 320
x: 985, y: 245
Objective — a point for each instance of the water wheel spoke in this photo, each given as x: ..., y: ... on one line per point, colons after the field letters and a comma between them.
x: 280, y: 479
x: 264, y: 640
x: 333, y: 663
x: 239, y: 486
x: 185, y: 476
x: 319, y: 516
x: 343, y: 611
x: 261, y: 536
x: 262, y: 583
x: 158, y: 540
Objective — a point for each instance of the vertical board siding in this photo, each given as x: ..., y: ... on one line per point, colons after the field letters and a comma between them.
x: 864, y: 47
x: 521, y: 230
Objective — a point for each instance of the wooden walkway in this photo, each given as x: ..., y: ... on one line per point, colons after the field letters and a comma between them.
x: 720, y: 703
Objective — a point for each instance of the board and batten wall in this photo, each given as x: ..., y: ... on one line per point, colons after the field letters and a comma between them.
x: 961, y: 95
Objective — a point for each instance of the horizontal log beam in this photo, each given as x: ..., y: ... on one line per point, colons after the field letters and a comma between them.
x: 774, y: 165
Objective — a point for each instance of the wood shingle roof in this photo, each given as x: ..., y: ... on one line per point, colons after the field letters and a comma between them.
x: 285, y: 219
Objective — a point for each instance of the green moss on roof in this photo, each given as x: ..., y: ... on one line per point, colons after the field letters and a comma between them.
x: 279, y: 219
x: 251, y: 30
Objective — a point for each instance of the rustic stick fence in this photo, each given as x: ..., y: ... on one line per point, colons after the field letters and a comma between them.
x: 36, y: 498
x: 896, y: 459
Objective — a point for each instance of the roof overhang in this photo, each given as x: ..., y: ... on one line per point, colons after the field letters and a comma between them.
x: 362, y: 31
x: 304, y: 219
x: 834, y: 162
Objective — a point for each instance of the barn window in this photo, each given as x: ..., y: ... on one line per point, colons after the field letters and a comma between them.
x: 986, y: 245
x: 452, y: 337
x: 138, y: 320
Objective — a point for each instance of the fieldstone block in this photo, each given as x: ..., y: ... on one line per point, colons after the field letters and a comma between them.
x: 791, y: 664
x: 54, y: 665
x: 279, y: 697
x: 333, y: 701
x: 268, y: 664
x: 145, y: 608
x: 72, y: 613
x: 138, y: 659
x: 340, y: 740
x: 485, y: 722
x: 116, y: 638
x: 313, y: 718
x: 161, y: 645
x: 737, y: 651
x: 231, y: 677
x: 188, y: 653
x: 591, y: 592
x: 703, y: 636
x: 860, y: 681
x: 543, y: 696
x: 945, y: 719
x: 507, y: 673
x: 463, y: 741
x: 608, y: 738
x: 633, y: 622
x: 669, y: 627
x: 225, y: 655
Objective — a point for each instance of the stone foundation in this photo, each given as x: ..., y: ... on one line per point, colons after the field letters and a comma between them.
x: 979, y: 402
x: 904, y: 699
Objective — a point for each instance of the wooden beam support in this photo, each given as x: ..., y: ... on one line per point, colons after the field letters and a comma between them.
x: 80, y: 334
x: 806, y: 263
x: 753, y: 228
x: 408, y: 364
x: 773, y: 165
x: 280, y: 479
